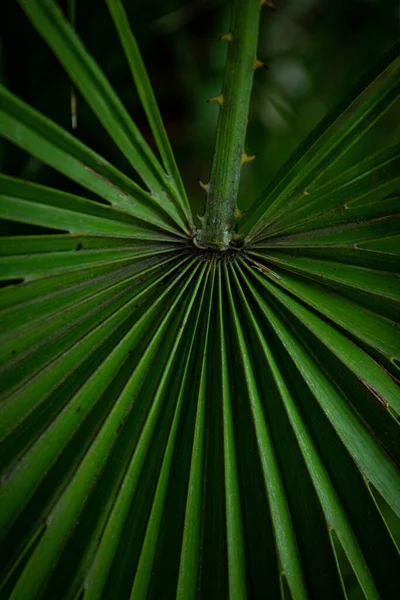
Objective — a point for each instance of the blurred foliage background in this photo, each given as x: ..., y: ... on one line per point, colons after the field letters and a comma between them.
x: 316, y: 50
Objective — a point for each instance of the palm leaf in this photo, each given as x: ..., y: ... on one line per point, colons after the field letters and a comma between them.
x: 33, y: 132
x: 183, y: 422
x: 331, y: 140
x: 148, y: 99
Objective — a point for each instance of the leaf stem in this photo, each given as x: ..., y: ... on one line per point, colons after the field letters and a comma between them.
x: 222, y: 189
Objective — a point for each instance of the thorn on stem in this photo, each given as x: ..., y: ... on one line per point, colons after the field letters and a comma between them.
x: 227, y: 37
x: 204, y: 186
x: 219, y: 99
x: 247, y: 158
x: 258, y: 64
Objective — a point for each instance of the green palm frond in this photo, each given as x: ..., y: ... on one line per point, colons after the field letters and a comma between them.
x: 180, y: 421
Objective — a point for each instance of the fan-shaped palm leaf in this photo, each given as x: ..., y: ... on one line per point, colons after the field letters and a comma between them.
x: 185, y: 420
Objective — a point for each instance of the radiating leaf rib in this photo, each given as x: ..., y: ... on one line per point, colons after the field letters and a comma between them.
x: 344, y: 215
x: 148, y: 101
x: 373, y: 462
x: 236, y: 559
x: 139, y: 501
x: 63, y: 291
x: 60, y: 242
x: 387, y: 245
x: 189, y: 559
x: 38, y: 290
x: 284, y: 535
x: 25, y: 477
x: 104, y: 495
x: 337, y: 274
x: 46, y: 327
x: 213, y: 579
x: 383, y: 222
x: 374, y: 330
x: 31, y: 267
x: 334, y: 511
x: 330, y: 140
x: 21, y: 558
x: 24, y: 355
x: 64, y: 514
x: 93, y: 85
x: 38, y: 205
x: 50, y: 365
x: 356, y: 359
x: 31, y: 131
x: 141, y: 582
x: 350, y: 486
x: 344, y: 183
x: 364, y: 183
x: 105, y: 552
x: 371, y: 244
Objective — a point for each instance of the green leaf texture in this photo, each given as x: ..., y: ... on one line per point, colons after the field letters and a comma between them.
x: 180, y: 423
